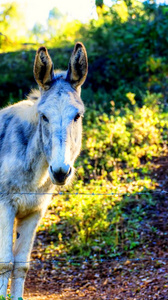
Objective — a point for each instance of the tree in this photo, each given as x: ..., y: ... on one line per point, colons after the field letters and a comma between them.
x: 55, y: 22
x: 55, y: 14
x: 38, y: 32
x: 12, y: 23
x: 99, y: 3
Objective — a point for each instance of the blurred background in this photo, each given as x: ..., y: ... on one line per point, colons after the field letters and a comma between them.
x: 126, y: 121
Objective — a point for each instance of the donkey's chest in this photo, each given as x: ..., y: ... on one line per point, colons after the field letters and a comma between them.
x: 27, y: 191
x: 27, y: 203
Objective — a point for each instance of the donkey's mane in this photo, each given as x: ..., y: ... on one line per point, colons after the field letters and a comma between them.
x: 33, y: 95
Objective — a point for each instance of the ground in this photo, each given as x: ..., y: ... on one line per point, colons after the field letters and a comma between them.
x: 143, y: 277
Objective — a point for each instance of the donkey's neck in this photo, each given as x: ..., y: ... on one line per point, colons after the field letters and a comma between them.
x: 35, y: 169
x: 37, y: 163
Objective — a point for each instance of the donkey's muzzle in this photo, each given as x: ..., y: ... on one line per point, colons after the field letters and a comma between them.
x: 61, y: 175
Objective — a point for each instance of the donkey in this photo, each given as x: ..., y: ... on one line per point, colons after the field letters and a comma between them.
x: 40, y: 138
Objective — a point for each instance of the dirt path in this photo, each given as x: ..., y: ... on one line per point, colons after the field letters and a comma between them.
x: 143, y: 279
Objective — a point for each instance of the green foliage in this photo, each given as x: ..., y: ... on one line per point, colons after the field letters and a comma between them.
x: 99, y: 3
x: 17, y: 77
x: 9, y: 297
x: 125, y: 136
x: 12, y: 26
x: 130, y: 55
x: 125, y: 56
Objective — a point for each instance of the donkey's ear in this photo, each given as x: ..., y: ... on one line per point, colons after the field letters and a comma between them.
x: 43, y: 68
x: 78, y: 66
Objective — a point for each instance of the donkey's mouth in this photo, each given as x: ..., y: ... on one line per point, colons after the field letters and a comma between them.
x: 56, y: 182
x: 60, y: 178
x: 60, y: 183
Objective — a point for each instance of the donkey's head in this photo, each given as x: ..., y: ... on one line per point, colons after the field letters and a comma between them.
x: 60, y: 111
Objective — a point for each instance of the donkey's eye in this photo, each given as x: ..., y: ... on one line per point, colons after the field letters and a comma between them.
x: 45, y: 119
x: 76, y: 117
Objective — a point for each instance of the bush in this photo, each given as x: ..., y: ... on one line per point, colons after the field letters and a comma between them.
x: 125, y: 137
x: 130, y: 55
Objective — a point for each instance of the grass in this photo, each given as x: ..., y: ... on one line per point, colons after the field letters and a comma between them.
x: 9, y: 297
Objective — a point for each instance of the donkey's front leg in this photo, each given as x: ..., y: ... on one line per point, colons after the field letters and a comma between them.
x: 6, y: 238
x: 26, y: 229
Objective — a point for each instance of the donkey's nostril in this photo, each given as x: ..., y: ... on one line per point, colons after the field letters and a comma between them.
x: 60, y: 175
x: 51, y: 169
